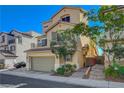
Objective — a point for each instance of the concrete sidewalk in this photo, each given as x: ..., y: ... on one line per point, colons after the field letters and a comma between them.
x: 68, y: 80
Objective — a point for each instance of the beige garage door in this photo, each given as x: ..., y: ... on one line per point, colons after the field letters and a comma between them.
x: 43, y: 63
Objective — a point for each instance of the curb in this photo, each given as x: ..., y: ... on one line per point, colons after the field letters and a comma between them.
x: 2, y: 70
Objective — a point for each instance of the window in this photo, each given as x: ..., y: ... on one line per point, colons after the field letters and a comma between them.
x: 11, y: 41
x: 66, y: 19
x: 54, y: 36
x: 32, y: 45
x: 6, y: 48
x: 68, y: 58
x: 12, y: 48
x: 39, y: 43
x: 45, y: 26
x: 19, y: 40
x: 44, y: 42
x: 3, y: 39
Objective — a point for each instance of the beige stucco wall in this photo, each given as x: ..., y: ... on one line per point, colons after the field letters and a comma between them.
x: 92, y: 46
x: 48, y: 24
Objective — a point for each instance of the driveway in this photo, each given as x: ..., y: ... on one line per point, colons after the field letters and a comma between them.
x: 24, y: 70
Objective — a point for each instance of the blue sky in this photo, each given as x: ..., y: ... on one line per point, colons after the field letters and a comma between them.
x: 29, y: 17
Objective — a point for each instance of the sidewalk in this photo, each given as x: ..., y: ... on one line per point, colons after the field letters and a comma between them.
x: 68, y: 80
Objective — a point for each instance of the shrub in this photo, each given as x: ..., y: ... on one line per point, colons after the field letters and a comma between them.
x: 60, y: 71
x: 111, y: 72
x: 121, y: 70
x: 66, y: 69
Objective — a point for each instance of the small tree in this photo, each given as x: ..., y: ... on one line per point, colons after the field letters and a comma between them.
x: 112, y: 20
x: 66, y: 45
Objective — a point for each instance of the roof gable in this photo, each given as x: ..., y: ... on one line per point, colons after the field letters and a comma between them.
x: 21, y: 33
x: 74, y: 8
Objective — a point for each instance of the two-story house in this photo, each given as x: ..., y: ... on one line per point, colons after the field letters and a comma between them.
x: 13, y: 45
x: 41, y: 58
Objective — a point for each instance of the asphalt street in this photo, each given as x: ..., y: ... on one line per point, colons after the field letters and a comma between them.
x: 24, y: 82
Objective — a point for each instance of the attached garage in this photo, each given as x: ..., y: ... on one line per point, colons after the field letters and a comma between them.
x: 45, y: 64
x: 7, y: 59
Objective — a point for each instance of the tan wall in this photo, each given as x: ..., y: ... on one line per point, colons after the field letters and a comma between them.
x: 92, y: 46
x: 49, y: 23
x: 83, y: 18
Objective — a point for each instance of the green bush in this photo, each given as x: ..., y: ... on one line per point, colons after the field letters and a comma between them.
x: 121, y: 70
x: 60, y: 71
x: 66, y: 69
x: 111, y: 72
x: 115, y: 71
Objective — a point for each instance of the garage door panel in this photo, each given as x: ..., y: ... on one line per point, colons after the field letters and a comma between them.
x: 43, y: 63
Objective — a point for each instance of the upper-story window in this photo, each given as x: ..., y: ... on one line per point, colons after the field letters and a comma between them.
x: 44, y: 42
x: 11, y: 41
x: 3, y: 39
x: 32, y: 45
x: 56, y: 37
x: 19, y: 40
x: 46, y: 26
x: 65, y: 18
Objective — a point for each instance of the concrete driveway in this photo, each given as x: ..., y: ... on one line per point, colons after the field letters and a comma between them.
x: 24, y: 70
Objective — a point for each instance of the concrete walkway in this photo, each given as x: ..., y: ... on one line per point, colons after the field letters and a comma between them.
x: 97, y: 72
x: 78, y: 74
x: 68, y: 80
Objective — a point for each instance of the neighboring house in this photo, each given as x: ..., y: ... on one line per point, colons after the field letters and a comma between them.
x: 41, y: 58
x: 7, y: 59
x: 16, y: 43
x: 108, y: 43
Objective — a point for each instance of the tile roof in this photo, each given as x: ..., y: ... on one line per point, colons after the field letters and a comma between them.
x: 7, y: 53
x: 38, y: 49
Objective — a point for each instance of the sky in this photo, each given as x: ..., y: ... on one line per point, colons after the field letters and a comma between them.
x: 29, y: 17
